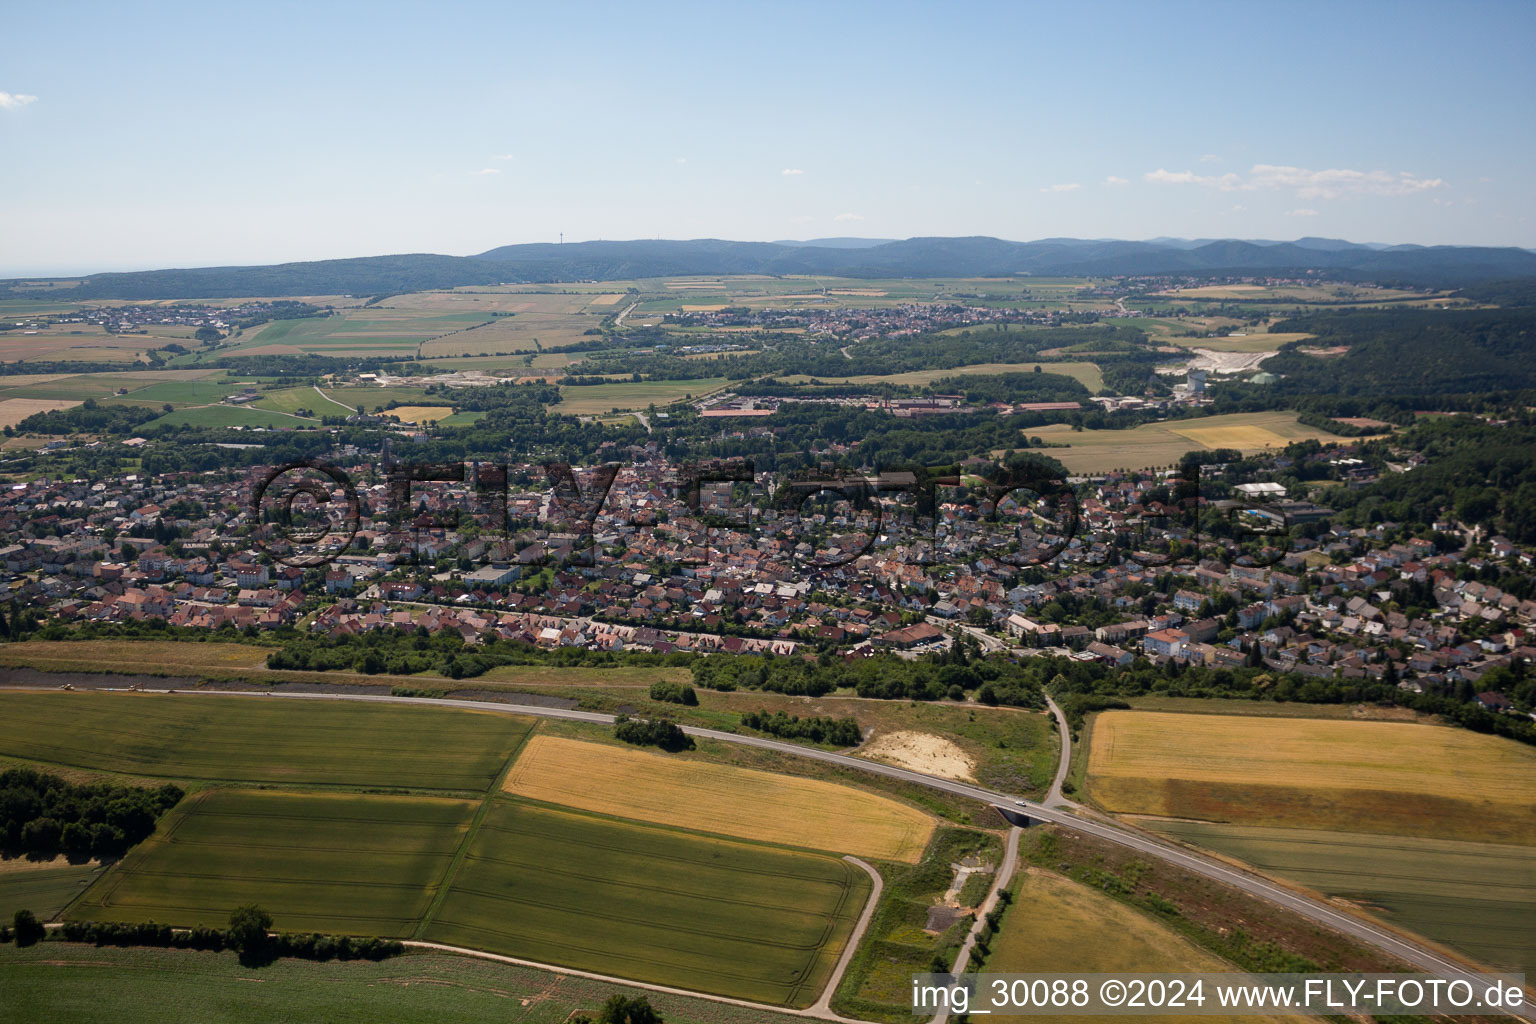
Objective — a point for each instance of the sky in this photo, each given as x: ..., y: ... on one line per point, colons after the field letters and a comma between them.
x: 135, y: 136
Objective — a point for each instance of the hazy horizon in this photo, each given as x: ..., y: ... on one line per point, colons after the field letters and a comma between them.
x: 78, y: 271
x: 198, y: 136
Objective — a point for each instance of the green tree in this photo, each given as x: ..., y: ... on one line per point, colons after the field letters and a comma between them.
x: 29, y: 930
x: 248, y: 928
x: 628, y: 1010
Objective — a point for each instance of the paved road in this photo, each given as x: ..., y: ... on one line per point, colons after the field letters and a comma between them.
x: 1018, y: 811
x: 1054, y: 798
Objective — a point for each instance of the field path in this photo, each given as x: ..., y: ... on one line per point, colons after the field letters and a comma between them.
x: 823, y: 1006
x: 333, y: 401
x: 1015, y: 811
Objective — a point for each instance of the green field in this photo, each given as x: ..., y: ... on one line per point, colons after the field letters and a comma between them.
x: 1087, y: 374
x: 595, y: 399
x: 42, y: 889
x: 1479, y: 898
x: 64, y: 983
x: 243, y: 740
x: 231, y: 416
x: 180, y: 393
x: 336, y: 863
x: 649, y: 903
x: 386, y: 332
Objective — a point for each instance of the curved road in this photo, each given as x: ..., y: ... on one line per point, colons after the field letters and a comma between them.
x: 1018, y: 811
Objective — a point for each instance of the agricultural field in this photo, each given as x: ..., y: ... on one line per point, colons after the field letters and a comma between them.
x: 1327, y: 292
x: 180, y: 392
x: 596, y: 399
x: 14, y: 410
x: 78, y: 342
x: 1163, y: 444
x: 706, y: 797
x: 77, y: 387
x: 232, y: 416
x: 295, y: 854
x: 1058, y: 925
x: 647, y: 903
x: 1479, y: 898
x: 1087, y: 374
x: 420, y: 413
x: 43, y: 887
x: 1388, y: 778
x: 63, y: 983
x: 157, y: 656
x: 252, y: 740
x: 1251, y: 341
x: 669, y: 295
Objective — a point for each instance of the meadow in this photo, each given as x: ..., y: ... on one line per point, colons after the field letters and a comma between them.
x: 1479, y: 898
x: 1058, y: 925
x: 249, y: 739
x: 233, y: 416
x: 1393, y: 778
x: 1164, y: 443
x: 642, y: 902
x: 63, y: 983
x: 718, y: 798
x: 297, y: 855
x: 596, y: 399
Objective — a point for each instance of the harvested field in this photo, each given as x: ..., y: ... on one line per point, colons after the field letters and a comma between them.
x: 1164, y: 443
x: 921, y: 752
x: 297, y: 855
x: 1381, y: 777
x: 249, y: 739
x: 707, y: 797
x: 420, y: 413
x: 14, y: 410
x: 642, y: 902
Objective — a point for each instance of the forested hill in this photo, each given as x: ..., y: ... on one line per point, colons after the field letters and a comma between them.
x: 1411, y: 352
x: 1439, y: 266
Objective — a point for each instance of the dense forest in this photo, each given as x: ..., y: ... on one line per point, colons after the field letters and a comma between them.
x: 1409, y: 352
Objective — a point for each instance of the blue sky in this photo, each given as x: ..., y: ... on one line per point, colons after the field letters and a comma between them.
x: 136, y: 136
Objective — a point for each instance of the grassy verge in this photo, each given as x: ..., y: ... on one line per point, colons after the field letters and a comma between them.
x: 877, y: 985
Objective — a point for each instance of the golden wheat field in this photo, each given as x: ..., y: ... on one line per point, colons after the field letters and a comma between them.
x: 723, y: 799
x: 1383, y: 777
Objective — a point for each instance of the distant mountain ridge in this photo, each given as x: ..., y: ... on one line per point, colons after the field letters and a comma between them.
x: 975, y: 256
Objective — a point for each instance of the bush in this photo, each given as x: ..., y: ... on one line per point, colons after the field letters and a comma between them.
x: 652, y: 733
x: 674, y: 693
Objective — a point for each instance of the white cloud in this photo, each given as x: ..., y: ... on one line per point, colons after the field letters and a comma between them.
x: 1333, y: 183
x: 1209, y: 158
x: 489, y: 170
x: 847, y: 216
x: 1238, y: 207
x: 15, y: 100
x: 682, y: 159
x: 790, y: 171
x: 1069, y: 187
x: 1113, y: 180
x: 505, y: 156
x: 1225, y: 182
x: 1301, y: 212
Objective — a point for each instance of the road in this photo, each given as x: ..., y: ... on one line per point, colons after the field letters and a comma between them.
x: 1020, y: 812
x: 1054, y: 797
